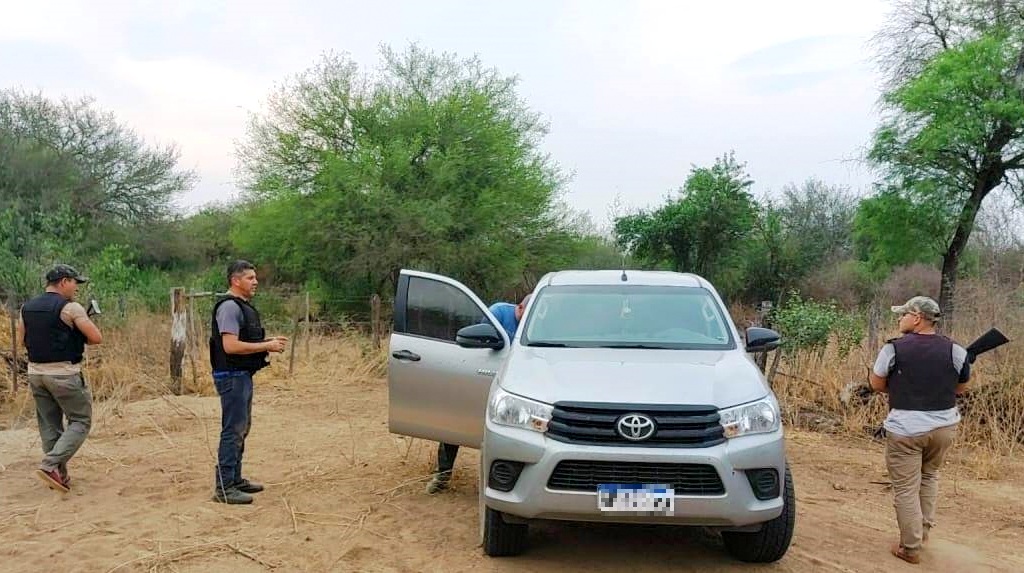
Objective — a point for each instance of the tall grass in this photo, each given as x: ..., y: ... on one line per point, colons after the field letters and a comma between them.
x: 826, y: 391
x: 818, y: 390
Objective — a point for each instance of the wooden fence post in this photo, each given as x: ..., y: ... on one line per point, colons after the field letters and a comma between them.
x: 764, y: 309
x: 294, y: 342
x: 305, y: 327
x: 178, y: 335
x: 192, y: 339
x: 375, y: 320
x: 12, y: 306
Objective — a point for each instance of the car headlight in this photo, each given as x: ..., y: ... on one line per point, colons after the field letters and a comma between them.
x: 511, y: 410
x: 761, y: 417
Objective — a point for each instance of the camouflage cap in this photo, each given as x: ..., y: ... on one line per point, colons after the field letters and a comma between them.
x: 922, y: 305
x: 61, y: 271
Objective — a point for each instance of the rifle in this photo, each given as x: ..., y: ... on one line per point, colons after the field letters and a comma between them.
x: 988, y: 341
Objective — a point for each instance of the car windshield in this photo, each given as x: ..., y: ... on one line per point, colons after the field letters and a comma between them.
x: 627, y: 316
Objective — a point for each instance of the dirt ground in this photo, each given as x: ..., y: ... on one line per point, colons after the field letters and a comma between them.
x: 345, y: 495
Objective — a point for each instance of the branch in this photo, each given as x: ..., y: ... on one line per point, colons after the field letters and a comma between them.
x: 1015, y: 162
x: 933, y: 23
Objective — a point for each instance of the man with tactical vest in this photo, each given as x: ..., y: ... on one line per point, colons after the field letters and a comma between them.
x: 923, y: 372
x: 55, y: 329
x: 238, y: 349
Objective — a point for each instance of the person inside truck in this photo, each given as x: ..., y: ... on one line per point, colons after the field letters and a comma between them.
x: 509, y: 316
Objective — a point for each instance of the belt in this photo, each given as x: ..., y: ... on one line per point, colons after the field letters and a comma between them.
x: 228, y: 373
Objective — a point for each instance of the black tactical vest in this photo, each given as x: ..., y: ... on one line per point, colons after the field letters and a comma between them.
x: 923, y: 377
x: 48, y: 338
x: 250, y: 330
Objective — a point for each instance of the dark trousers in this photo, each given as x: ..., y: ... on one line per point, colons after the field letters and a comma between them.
x: 235, y: 390
x: 446, y: 458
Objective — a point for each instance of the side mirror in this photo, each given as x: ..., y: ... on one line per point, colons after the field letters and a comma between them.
x: 479, y: 336
x: 762, y: 339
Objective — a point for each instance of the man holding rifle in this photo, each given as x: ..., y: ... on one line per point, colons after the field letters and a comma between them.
x: 923, y: 372
x: 55, y: 329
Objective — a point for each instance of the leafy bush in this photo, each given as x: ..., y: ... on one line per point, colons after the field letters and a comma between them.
x: 809, y: 325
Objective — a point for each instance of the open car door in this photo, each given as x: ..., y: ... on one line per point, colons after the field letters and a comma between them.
x: 437, y: 389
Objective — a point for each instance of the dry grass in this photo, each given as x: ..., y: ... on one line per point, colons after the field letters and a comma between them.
x: 131, y: 364
x: 815, y: 389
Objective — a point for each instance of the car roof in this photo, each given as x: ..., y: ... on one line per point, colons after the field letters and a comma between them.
x: 614, y: 277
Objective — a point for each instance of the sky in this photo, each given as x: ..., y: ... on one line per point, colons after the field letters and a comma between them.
x: 635, y: 93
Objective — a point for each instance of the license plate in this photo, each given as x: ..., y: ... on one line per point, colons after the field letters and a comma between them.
x: 642, y: 499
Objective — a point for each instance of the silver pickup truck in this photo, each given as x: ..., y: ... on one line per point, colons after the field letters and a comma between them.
x: 624, y: 397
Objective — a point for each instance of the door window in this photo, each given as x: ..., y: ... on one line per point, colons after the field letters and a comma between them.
x: 438, y: 310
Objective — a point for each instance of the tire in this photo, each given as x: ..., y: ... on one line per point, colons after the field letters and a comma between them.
x: 772, y: 541
x: 502, y: 539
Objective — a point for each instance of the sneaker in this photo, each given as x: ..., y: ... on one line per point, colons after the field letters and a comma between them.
x: 232, y: 496
x: 438, y: 483
x: 246, y: 486
x: 65, y: 476
x: 52, y: 479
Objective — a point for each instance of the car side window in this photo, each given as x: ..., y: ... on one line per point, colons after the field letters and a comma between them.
x: 438, y: 310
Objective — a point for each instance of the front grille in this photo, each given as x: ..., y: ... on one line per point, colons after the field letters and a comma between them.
x: 675, y: 426
x: 685, y: 479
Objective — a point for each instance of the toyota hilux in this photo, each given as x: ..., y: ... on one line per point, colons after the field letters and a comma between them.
x: 623, y: 397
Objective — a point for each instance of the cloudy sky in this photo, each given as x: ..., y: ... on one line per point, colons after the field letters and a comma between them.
x: 634, y: 92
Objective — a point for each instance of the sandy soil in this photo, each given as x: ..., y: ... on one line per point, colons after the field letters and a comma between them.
x: 345, y: 495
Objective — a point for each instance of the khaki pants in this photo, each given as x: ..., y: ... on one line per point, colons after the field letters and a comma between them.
x: 913, y: 464
x: 58, y: 397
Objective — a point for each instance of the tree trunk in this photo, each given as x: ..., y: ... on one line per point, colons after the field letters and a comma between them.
x: 951, y: 259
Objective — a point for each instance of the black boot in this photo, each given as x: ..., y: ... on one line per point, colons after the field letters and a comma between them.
x: 231, y: 496
x: 246, y: 486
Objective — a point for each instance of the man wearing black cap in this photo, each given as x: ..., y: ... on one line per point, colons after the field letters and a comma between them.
x: 55, y: 329
x: 923, y: 372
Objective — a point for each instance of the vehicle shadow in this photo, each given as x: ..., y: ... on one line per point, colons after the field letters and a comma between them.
x: 598, y: 547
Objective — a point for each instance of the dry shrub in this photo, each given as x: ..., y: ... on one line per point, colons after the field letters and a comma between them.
x: 743, y: 316
x: 825, y: 392
x: 844, y: 282
x: 131, y: 364
x: 817, y: 389
x: 909, y: 281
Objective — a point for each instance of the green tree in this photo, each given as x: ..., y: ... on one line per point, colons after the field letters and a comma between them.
x: 894, y: 229
x: 72, y: 153
x: 807, y: 227
x: 433, y: 163
x: 954, y: 126
x: 703, y: 230
x: 72, y: 180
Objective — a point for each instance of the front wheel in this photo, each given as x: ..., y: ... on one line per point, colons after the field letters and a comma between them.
x: 772, y: 541
x: 503, y: 539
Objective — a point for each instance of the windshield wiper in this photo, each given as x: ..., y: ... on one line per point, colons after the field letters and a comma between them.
x: 640, y: 346
x: 549, y: 344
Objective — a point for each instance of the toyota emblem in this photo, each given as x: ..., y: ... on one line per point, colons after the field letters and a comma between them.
x: 635, y: 427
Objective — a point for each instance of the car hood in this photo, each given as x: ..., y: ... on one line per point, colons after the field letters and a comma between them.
x: 633, y: 376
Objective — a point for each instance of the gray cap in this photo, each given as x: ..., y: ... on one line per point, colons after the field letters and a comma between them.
x: 59, y: 272
x: 922, y: 305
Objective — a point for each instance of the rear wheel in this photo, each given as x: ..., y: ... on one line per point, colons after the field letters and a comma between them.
x: 772, y: 541
x: 501, y: 538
